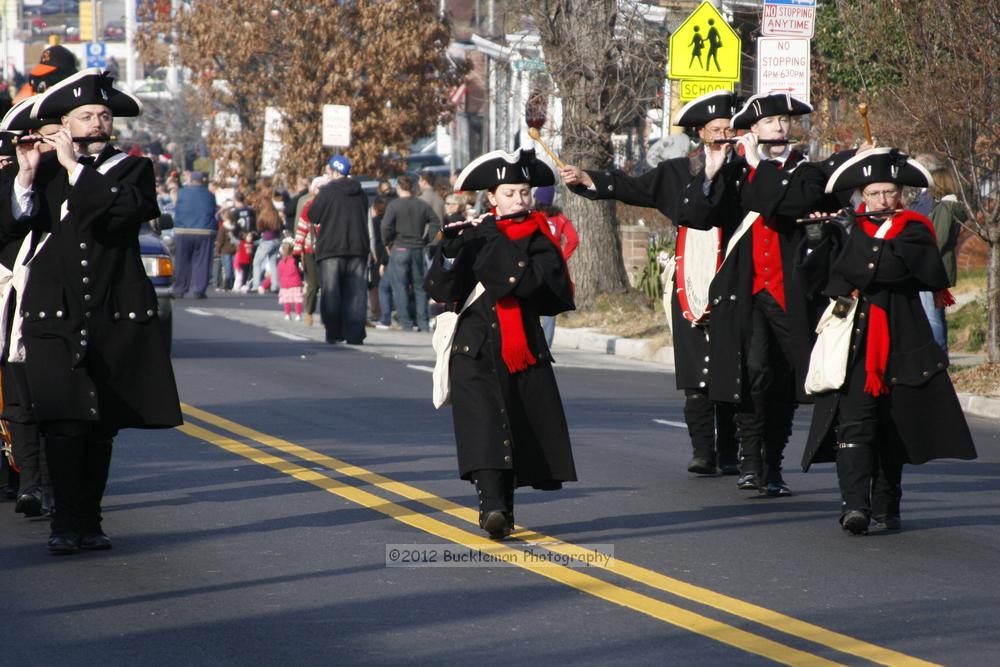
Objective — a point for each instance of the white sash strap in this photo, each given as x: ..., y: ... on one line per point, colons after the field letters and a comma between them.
x: 744, y: 227
x: 17, y: 281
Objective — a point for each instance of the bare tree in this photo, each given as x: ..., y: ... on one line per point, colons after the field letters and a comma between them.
x: 606, y: 63
x: 928, y: 69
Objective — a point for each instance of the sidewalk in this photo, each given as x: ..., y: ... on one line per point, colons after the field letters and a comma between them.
x: 593, y: 341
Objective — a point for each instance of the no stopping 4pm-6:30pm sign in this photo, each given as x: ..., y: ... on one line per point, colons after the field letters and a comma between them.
x: 783, y: 66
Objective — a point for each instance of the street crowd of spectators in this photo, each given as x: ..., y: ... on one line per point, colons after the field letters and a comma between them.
x: 272, y: 243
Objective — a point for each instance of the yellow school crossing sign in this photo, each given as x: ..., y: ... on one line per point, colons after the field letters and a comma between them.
x: 705, y: 47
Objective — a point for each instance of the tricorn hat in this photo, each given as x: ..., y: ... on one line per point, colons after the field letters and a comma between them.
x: 19, y: 117
x: 716, y: 104
x: 763, y: 106
x: 89, y: 86
x: 499, y: 167
x: 879, y: 165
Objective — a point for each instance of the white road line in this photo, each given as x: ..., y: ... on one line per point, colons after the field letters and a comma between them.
x: 199, y: 311
x: 429, y: 369
x: 670, y: 423
x: 287, y: 335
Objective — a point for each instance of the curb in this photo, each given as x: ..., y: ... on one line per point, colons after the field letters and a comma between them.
x: 981, y: 406
x: 590, y: 340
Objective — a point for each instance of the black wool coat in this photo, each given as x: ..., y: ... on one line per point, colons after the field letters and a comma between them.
x: 94, y: 351
x: 920, y: 416
x: 664, y: 189
x: 780, y: 195
x: 503, y: 420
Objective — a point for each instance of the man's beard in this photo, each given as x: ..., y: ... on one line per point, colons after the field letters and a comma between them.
x: 92, y: 148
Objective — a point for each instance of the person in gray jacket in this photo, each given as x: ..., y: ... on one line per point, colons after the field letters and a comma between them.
x: 406, y: 226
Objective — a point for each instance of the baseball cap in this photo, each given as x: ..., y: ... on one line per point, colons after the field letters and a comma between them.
x: 340, y: 164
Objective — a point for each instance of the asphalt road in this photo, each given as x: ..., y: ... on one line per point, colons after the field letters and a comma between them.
x: 262, y: 532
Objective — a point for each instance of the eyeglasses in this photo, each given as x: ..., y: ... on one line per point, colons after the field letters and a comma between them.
x: 451, y: 203
x: 104, y: 117
x: 875, y: 194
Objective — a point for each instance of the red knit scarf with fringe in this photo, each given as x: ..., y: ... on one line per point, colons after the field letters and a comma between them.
x: 877, y: 350
x: 513, y: 341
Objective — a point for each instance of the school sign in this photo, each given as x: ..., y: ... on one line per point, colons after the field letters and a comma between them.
x: 705, y: 53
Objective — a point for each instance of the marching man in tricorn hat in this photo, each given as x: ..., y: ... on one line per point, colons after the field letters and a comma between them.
x: 506, y: 269
x: 710, y: 425
x: 760, y: 353
x: 87, y: 311
x: 897, y: 404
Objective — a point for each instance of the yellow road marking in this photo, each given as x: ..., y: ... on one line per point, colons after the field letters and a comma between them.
x: 663, y: 611
x: 749, y: 611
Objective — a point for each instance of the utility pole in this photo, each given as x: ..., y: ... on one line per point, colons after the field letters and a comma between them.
x: 94, y: 9
x: 130, y: 44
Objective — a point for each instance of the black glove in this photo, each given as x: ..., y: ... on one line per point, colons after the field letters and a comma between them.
x: 814, y: 234
x: 451, y: 243
x: 487, y: 230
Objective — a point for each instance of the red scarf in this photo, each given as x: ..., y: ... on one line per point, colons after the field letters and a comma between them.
x: 877, y: 350
x: 513, y: 341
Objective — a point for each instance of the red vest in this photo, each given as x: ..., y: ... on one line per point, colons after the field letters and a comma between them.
x: 767, y: 270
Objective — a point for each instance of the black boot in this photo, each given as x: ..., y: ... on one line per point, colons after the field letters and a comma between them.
x: 27, y: 452
x: 98, y: 464
x: 750, y: 426
x: 887, y: 492
x: 727, y: 445
x: 67, y: 461
x: 508, y: 479
x: 777, y: 430
x: 855, y: 467
x: 699, y: 414
x: 491, y: 487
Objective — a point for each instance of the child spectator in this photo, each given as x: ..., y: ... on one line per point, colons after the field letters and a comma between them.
x: 243, y: 262
x: 289, y: 282
x: 226, y: 244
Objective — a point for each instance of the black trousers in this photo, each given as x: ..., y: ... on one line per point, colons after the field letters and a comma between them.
x: 869, y: 466
x: 343, y: 300
x: 712, y: 427
x: 79, y: 458
x: 764, y: 428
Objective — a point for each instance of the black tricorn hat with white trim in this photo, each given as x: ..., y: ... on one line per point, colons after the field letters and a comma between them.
x: 89, y: 86
x: 879, y: 165
x: 699, y: 111
x: 764, y: 106
x: 7, y: 143
x: 19, y: 117
x: 499, y: 167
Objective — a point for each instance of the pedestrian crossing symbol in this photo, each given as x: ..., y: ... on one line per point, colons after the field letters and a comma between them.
x: 705, y: 47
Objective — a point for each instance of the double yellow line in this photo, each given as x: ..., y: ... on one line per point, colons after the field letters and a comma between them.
x: 578, y: 579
